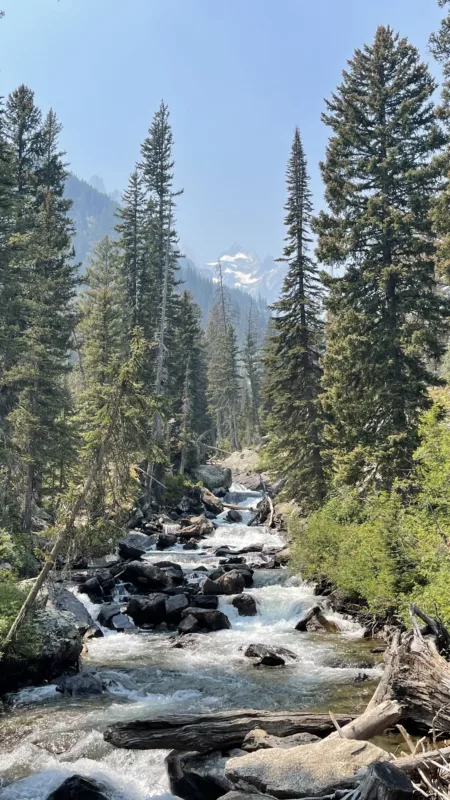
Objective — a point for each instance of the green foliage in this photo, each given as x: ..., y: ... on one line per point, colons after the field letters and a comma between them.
x: 385, y: 317
x: 292, y: 358
x: 176, y: 487
x: 389, y: 548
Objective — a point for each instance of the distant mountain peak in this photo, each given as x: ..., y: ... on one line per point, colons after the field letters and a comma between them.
x: 243, y: 269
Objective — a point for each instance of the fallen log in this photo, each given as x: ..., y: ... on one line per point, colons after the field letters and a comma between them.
x: 215, y: 731
x: 371, y: 723
x: 418, y: 676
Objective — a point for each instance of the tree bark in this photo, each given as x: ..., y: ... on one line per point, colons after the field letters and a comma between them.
x: 372, y: 722
x: 215, y: 731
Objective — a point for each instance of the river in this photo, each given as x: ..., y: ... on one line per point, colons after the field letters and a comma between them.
x: 46, y: 737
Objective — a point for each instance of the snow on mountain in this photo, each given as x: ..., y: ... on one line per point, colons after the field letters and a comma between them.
x: 243, y: 269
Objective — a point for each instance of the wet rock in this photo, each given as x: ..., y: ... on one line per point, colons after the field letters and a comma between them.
x: 314, y: 620
x: 80, y: 685
x: 193, y: 776
x: 213, y: 477
x: 121, y: 623
x: 63, y: 600
x: 211, y: 502
x: 191, y: 503
x: 196, y: 526
x: 232, y: 560
x: 259, y: 739
x: 245, y: 604
x: 231, y: 583
x: 106, y: 562
x: 189, y: 624
x: 173, y: 572
x: 245, y: 796
x: 234, y: 515
x: 282, y: 557
x: 52, y: 646
x: 174, y: 607
x: 148, y: 611
x: 166, y: 540
x: 190, y: 545
x: 106, y: 613
x: 134, y: 545
x: 266, y: 656
x: 323, y: 587
x: 216, y: 573
x: 92, y: 587
x: 207, y: 619
x: 311, y: 770
x: 94, y: 632
x: 145, y: 576
x: 205, y: 601
x: 78, y: 788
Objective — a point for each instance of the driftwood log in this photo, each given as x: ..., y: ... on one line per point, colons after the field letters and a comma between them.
x: 371, y: 723
x: 215, y: 731
x: 417, y: 675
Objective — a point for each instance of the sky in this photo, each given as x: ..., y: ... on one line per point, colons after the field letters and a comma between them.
x: 237, y: 75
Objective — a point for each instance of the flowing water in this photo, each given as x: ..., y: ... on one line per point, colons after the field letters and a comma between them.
x: 47, y: 737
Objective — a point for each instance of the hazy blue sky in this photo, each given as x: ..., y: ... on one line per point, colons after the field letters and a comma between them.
x: 238, y: 75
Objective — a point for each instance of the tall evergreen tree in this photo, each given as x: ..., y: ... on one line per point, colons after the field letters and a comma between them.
x: 48, y: 286
x: 133, y: 230
x: 385, y: 316
x: 189, y: 387
x: 440, y: 47
x: 293, y: 361
x: 252, y: 365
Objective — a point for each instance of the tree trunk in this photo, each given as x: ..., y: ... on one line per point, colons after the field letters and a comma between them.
x: 214, y: 731
x: 28, y: 499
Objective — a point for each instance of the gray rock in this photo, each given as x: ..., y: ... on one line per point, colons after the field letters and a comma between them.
x: 269, y: 656
x: 174, y: 606
x: 232, y: 582
x: 78, y: 788
x: 211, y: 502
x: 234, y: 515
x: 80, y: 685
x: 105, y: 562
x: 149, y: 610
x: 64, y: 600
x: 193, y: 776
x: 259, y: 739
x: 210, y: 601
x: 207, y: 619
x: 146, y: 576
x: 310, y: 770
x: 106, y: 613
x: 245, y: 604
x: 213, y: 477
x: 54, y: 645
x: 189, y: 624
x: 166, y: 540
x: 121, y: 622
x: 135, y: 545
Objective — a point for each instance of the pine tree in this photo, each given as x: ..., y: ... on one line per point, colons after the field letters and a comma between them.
x: 440, y: 47
x: 293, y: 361
x: 223, y: 375
x: 133, y: 230
x: 252, y: 366
x: 385, y: 317
x: 48, y: 287
x: 190, y: 403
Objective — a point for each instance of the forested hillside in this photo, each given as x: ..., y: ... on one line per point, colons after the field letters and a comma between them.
x: 93, y: 214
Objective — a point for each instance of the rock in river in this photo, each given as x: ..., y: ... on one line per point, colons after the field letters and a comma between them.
x: 145, y: 576
x: 80, y: 685
x: 149, y: 610
x: 245, y: 604
x: 207, y: 619
x: 213, y: 477
x: 135, y: 545
x: 230, y: 583
x: 309, y: 770
x: 78, y: 788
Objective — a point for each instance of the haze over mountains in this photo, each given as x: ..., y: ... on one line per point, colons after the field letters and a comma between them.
x: 250, y: 281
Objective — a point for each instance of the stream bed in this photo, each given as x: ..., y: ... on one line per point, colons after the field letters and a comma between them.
x: 46, y: 736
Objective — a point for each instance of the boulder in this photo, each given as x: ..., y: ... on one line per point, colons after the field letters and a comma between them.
x: 135, y: 544
x: 189, y: 624
x: 173, y: 572
x: 80, y: 685
x: 225, y: 562
x: 194, y: 775
x: 234, y: 515
x: 269, y: 656
x: 92, y: 588
x: 213, y: 477
x: 314, y: 620
x: 106, y: 613
x: 149, y: 610
x: 166, y: 540
x: 282, y: 557
x: 310, y: 770
x: 231, y: 583
x: 79, y: 788
x: 120, y: 623
x: 211, y: 502
x: 174, y: 606
x: 259, y: 739
x: 105, y: 562
x: 145, y: 576
x: 191, y: 503
x: 245, y: 604
x: 63, y: 600
x: 211, y: 587
x: 50, y: 644
x: 207, y: 619
x: 210, y: 601
x: 196, y: 526
x: 190, y: 545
